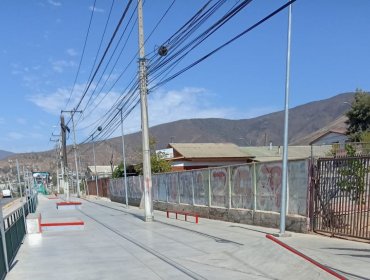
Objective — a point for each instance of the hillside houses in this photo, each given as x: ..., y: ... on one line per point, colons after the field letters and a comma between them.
x: 188, y: 156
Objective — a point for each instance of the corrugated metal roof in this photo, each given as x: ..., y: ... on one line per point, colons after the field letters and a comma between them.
x: 266, y: 153
x: 337, y: 126
x: 209, y: 150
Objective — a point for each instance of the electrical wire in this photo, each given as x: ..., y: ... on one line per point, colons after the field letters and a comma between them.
x: 112, y: 69
x: 82, y: 55
x: 135, y: 56
x: 131, y: 99
x: 199, y: 39
x: 223, y: 45
x: 100, y: 44
x: 194, y: 23
x: 104, y: 55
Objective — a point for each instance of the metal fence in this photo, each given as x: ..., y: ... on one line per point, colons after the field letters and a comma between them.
x: 358, y: 148
x: 255, y: 186
x: 14, y: 230
x: 2, y: 261
x: 31, y: 204
x: 342, y: 197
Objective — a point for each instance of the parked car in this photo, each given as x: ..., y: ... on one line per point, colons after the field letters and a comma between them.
x: 7, y: 193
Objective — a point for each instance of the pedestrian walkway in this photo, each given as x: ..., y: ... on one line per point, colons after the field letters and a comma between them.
x: 117, y: 244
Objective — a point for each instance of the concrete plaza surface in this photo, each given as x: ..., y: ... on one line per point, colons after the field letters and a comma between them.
x: 117, y: 244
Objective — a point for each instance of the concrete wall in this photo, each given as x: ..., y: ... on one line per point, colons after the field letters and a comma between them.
x: 243, y: 216
x: 248, y: 193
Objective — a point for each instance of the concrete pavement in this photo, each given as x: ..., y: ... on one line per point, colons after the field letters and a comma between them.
x: 117, y: 244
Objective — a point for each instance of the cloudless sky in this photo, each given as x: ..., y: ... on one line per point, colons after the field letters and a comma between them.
x: 42, y: 44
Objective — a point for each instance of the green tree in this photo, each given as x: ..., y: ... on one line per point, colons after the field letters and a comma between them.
x: 157, y: 160
x: 353, y: 176
x: 359, y: 116
x: 365, y: 140
x: 158, y: 164
x: 118, y: 172
x: 365, y: 137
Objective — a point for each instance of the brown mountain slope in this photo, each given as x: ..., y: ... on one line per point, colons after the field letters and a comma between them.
x: 303, y: 120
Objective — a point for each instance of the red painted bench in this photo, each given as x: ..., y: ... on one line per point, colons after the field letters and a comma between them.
x: 186, y: 214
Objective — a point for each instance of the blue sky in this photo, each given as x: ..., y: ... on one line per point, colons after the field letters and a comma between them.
x: 42, y: 44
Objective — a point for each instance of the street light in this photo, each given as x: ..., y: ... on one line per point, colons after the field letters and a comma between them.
x: 124, y: 158
x: 286, y: 126
x: 96, y: 174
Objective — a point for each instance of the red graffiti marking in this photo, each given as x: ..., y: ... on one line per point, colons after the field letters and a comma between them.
x: 148, y: 184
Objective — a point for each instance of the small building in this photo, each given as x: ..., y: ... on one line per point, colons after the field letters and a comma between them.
x: 330, y: 137
x: 187, y: 156
x: 334, y: 133
x: 103, y: 171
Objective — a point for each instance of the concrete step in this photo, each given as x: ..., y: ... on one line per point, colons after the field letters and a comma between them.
x: 68, y: 205
x: 61, y: 224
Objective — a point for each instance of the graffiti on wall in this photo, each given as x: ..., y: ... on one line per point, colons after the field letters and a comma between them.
x: 113, y: 187
x: 194, y: 187
x: 298, y: 187
x: 136, y: 187
x: 172, y: 187
x: 160, y: 186
x: 186, y: 187
x: 200, y: 181
x: 219, y: 188
x: 117, y: 188
x: 155, y: 188
x: 242, y: 187
x: 269, y: 186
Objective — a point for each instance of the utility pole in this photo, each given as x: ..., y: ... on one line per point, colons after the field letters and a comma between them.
x: 20, y: 190
x: 83, y: 175
x: 27, y: 190
x: 286, y: 119
x: 58, y: 185
x: 57, y: 158
x: 148, y: 203
x: 19, y: 180
x: 9, y: 185
x: 75, y: 147
x: 3, y: 240
x: 63, y: 151
x: 124, y: 158
x: 96, y: 173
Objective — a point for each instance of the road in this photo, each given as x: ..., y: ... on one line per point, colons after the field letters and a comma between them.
x: 4, y: 201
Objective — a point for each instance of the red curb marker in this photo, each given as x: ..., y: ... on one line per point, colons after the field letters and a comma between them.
x: 328, y: 270
x: 77, y: 223
x: 39, y: 218
x: 64, y: 203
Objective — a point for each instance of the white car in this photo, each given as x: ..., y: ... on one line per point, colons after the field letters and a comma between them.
x: 7, y: 193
